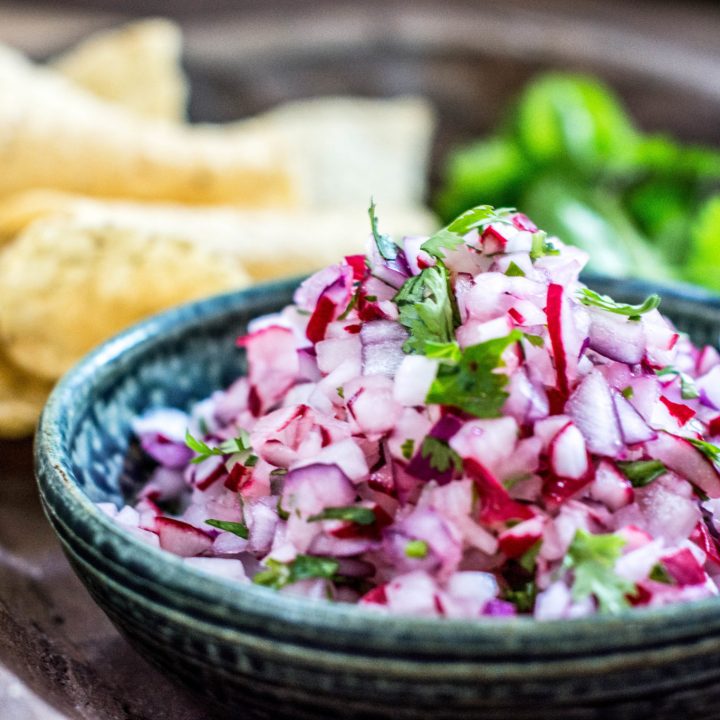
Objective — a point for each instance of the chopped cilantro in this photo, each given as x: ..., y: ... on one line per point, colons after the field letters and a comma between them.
x: 592, y: 299
x: 535, y: 340
x: 642, y: 472
x: 449, y: 351
x: 453, y: 235
x: 514, y: 270
x: 688, y: 391
x: 353, y: 513
x: 416, y: 549
x: 283, y: 514
x: 627, y: 392
x: 371, y: 298
x: 386, y: 246
x: 529, y: 558
x: 710, y: 451
x: 473, y: 385
x: 278, y: 472
x: 303, y: 567
x: 341, y: 392
x: 426, y: 309
x: 236, y: 528
x: 592, y: 559
x: 541, y: 246
x: 354, y: 300
x: 660, y: 574
x: 441, y: 455
x: 523, y: 598
x: 408, y: 448
x: 251, y: 461
x: 204, y: 451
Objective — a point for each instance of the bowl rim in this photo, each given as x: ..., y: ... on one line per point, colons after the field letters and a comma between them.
x: 55, y: 474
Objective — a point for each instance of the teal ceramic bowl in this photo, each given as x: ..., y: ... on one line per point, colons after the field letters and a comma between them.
x: 265, y: 655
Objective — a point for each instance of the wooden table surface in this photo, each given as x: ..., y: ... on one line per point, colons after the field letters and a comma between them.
x: 59, y: 656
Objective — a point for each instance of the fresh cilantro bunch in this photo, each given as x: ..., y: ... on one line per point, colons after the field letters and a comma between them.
x: 591, y: 558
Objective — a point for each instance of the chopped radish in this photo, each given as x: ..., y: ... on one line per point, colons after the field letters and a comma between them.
x: 182, y: 539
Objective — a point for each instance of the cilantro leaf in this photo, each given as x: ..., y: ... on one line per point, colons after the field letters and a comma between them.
x: 386, y: 246
x: 627, y: 392
x: 303, y: 567
x: 416, y: 549
x: 408, y: 448
x: 353, y: 513
x: 473, y: 385
x: 426, y: 309
x: 710, y: 451
x: 592, y: 299
x: 541, y: 246
x: 688, y: 391
x: 641, y: 472
x: 528, y: 559
x: 440, y: 241
x: 514, y: 270
x: 453, y: 235
x: 441, y: 455
x: 236, y: 528
x: 448, y: 351
x: 203, y: 451
x: 592, y: 560
x: 523, y: 598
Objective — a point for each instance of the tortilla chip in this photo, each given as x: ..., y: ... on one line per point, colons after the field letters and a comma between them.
x: 346, y: 149
x: 55, y: 135
x: 22, y: 397
x: 64, y: 288
x: 137, y: 66
x: 271, y: 244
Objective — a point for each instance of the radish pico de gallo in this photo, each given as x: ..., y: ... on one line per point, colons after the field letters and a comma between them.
x: 452, y: 426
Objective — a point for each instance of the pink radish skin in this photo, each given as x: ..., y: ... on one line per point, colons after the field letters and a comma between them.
x: 182, y: 539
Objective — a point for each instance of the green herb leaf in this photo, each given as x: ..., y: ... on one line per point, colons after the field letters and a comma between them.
x: 440, y: 454
x: 416, y: 549
x: 283, y: 514
x: 352, y: 513
x: 523, y: 598
x: 541, y: 246
x: 236, y: 445
x: 710, y: 451
x: 627, y: 392
x: 514, y: 270
x: 448, y: 351
x: 204, y: 451
x: 642, y: 472
x: 535, y: 340
x: 660, y: 574
x: 385, y: 244
x: 688, y: 390
x: 408, y: 448
x: 236, y: 528
x: 473, y: 385
x: 453, y: 235
x: 340, y: 391
x: 529, y: 558
x: 592, y: 299
x: 592, y: 560
x: 303, y: 567
x: 426, y: 309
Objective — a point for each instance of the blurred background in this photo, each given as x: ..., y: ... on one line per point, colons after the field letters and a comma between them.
x: 598, y: 118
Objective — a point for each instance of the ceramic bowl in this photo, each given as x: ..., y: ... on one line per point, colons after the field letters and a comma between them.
x: 268, y: 655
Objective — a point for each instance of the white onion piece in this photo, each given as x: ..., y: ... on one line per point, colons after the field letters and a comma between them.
x: 413, y: 379
x: 632, y: 427
x: 687, y: 461
x: 382, y: 342
x: 611, y: 487
x: 592, y: 409
x: 708, y: 358
x: 709, y: 387
x: 568, y: 456
x: 616, y: 337
x: 331, y: 353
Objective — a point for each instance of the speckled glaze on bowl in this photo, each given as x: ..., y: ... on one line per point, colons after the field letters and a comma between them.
x: 269, y: 656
